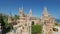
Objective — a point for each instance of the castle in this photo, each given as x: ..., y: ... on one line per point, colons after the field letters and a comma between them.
x: 24, y: 23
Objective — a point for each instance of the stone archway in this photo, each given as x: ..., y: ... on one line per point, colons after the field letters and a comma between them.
x: 32, y: 22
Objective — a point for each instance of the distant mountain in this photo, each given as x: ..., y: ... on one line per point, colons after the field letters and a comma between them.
x: 57, y: 20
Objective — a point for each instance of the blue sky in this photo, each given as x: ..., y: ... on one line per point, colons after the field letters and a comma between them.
x: 37, y: 6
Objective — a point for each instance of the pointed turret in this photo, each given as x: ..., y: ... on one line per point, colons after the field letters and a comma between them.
x: 21, y: 12
x: 45, y: 13
x: 21, y: 9
x: 30, y: 13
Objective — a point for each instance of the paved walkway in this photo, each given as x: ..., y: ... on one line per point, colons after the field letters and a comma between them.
x: 56, y: 32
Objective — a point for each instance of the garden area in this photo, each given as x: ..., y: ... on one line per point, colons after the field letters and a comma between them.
x: 36, y: 29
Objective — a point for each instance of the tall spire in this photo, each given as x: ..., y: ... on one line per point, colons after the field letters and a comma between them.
x: 45, y: 13
x: 30, y: 13
x: 21, y: 11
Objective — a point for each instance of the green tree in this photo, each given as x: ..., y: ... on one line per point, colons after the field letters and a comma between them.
x: 36, y: 29
x: 16, y: 17
x: 2, y: 23
x: 5, y: 26
x: 2, y: 20
x: 8, y: 27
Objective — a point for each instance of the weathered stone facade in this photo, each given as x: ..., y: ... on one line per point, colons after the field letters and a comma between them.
x: 48, y: 22
x: 25, y: 21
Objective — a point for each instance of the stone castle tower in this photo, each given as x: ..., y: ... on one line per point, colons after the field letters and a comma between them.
x: 48, y: 22
x: 24, y: 21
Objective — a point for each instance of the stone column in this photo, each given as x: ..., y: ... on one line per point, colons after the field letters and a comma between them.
x: 30, y: 27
